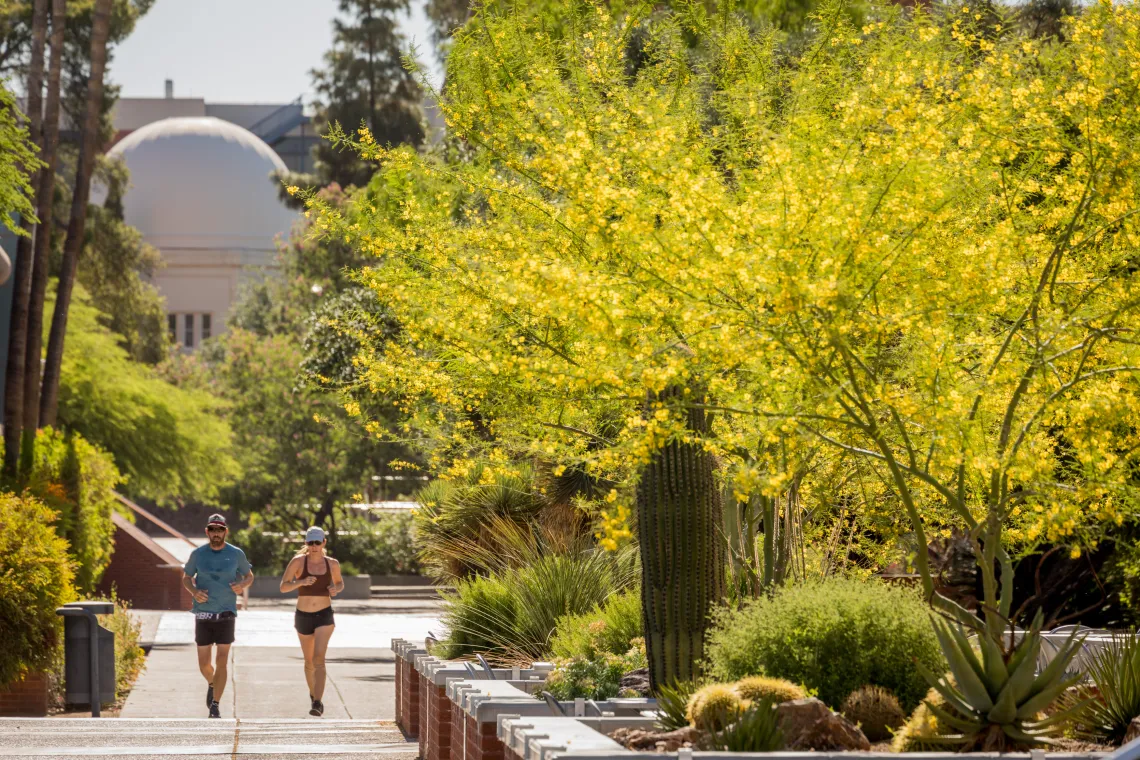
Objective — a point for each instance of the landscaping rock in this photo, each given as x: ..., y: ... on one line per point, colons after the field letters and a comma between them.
x: 808, y: 724
x: 661, y: 741
x: 636, y: 680
x: 1133, y: 731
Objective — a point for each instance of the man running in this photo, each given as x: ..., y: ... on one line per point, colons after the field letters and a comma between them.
x: 215, y: 574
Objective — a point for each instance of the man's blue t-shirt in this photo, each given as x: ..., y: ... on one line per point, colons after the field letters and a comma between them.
x: 213, y: 572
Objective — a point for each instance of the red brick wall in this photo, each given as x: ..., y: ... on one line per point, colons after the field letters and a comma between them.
x: 435, y: 729
x: 407, y: 698
x: 27, y: 697
x: 135, y: 573
x: 423, y: 711
x: 478, y: 740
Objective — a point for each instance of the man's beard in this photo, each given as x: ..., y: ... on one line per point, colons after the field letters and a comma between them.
x: 217, y: 540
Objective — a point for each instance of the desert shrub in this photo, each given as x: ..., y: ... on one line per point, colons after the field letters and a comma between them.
x: 511, y: 616
x: 608, y: 628
x: 831, y: 636
x: 755, y: 728
x: 1115, y: 702
x: 35, y: 578
x: 712, y: 707
x: 597, y: 677
x: 77, y: 480
x: 673, y: 705
x: 774, y: 690
x: 875, y: 710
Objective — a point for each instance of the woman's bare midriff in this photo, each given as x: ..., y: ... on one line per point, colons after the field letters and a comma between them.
x: 314, y: 603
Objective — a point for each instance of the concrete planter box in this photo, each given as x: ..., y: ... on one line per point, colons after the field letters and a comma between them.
x: 26, y: 698
x: 355, y: 587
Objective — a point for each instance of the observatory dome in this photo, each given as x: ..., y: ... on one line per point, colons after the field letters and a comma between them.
x: 202, y: 183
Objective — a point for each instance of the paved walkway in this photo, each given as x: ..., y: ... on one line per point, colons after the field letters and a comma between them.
x: 267, y: 678
x: 249, y: 739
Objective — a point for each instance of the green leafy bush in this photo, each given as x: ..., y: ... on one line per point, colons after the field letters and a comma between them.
x: 380, y: 545
x: 77, y: 480
x: 35, y: 578
x: 608, y: 628
x: 833, y: 637
x: 594, y: 677
x: 511, y: 616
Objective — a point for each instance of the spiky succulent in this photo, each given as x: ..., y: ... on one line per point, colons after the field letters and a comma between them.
x: 775, y: 690
x: 997, y: 698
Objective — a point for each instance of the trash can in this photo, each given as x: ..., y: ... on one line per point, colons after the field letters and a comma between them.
x: 78, y: 621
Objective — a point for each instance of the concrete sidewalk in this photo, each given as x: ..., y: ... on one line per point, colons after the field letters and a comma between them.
x: 267, y: 677
x: 265, y: 682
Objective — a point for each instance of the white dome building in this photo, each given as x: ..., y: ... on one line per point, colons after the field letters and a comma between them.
x: 201, y: 193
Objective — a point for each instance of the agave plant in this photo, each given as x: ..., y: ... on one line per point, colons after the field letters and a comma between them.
x: 1115, y: 670
x: 754, y: 729
x: 996, y: 701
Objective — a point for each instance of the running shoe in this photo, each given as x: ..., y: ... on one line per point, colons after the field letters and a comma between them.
x: 209, y: 694
x: 317, y: 709
x: 214, y: 711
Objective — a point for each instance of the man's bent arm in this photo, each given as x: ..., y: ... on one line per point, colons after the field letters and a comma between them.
x: 188, y: 583
x: 247, y: 581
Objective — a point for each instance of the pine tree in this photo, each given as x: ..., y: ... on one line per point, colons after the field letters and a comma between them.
x: 364, y: 82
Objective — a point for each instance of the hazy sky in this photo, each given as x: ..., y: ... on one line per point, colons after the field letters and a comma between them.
x: 253, y: 51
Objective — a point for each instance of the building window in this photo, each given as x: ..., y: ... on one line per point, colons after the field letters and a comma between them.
x: 188, y: 339
x: 172, y: 324
x: 205, y: 326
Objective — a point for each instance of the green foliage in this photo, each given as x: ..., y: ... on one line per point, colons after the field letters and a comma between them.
x: 753, y: 729
x: 713, y: 707
x: 774, y: 690
x: 77, y: 480
x: 607, y: 629
x: 832, y: 636
x: 35, y: 579
x: 168, y: 441
x: 380, y: 545
x: 1115, y: 670
x: 17, y: 158
x: 364, y: 81
x: 512, y: 616
x: 999, y: 697
x: 875, y: 710
x: 673, y: 705
x: 596, y: 677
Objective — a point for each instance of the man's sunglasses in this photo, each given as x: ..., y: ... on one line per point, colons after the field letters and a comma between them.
x: 314, y: 543
x: 215, y: 530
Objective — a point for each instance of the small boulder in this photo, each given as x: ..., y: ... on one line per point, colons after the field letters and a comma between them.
x: 1133, y: 731
x: 660, y: 741
x: 808, y: 724
x: 636, y: 681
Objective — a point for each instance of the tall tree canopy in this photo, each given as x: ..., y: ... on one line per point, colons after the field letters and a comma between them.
x: 364, y: 82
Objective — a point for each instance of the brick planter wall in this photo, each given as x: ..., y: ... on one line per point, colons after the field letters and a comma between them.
x: 25, y: 698
x: 479, y: 740
x: 407, y: 689
x: 435, y: 729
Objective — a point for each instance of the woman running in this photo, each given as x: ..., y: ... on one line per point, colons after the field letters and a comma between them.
x: 316, y: 579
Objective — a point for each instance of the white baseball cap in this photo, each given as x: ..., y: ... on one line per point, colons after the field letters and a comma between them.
x: 314, y: 534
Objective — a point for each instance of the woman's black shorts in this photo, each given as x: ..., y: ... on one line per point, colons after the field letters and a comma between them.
x: 307, y: 623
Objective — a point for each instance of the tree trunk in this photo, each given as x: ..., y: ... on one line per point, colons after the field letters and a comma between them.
x: 371, y: 68
x: 35, y: 339
x: 49, y: 399
x: 18, y: 325
x: 682, y: 554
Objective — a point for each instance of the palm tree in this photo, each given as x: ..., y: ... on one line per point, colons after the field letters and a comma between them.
x: 75, y: 226
x: 35, y: 333
x: 18, y: 332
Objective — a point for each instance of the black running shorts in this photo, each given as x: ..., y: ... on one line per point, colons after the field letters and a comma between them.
x: 307, y: 623
x: 209, y: 632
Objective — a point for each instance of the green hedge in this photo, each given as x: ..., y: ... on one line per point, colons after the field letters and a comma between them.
x: 832, y: 636
x: 609, y: 628
x: 78, y: 479
x: 35, y: 578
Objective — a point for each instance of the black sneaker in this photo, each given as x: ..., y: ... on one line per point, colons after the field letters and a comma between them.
x: 214, y: 711
x: 209, y: 694
x: 317, y: 709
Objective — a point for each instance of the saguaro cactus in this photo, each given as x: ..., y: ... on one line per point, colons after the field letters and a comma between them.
x: 683, y: 556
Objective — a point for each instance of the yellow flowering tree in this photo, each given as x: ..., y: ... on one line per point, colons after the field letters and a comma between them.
x: 907, y: 255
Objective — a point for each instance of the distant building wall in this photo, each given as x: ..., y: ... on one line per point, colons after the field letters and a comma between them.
x: 142, y: 572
